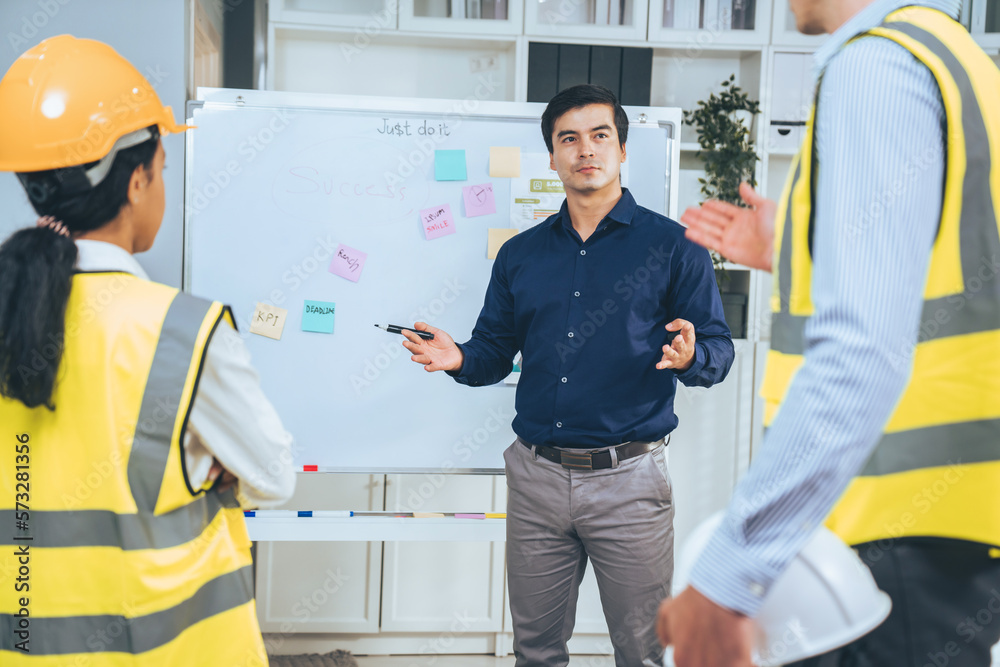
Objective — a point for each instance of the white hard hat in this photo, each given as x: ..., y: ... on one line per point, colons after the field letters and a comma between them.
x: 825, y: 599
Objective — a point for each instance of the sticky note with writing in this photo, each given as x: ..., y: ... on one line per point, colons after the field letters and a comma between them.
x: 437, y: 221
x: 505, y: 161
x: 479, y: 200
x: 497, y: 237
x: 348, y: 262
x: 318, y: 316
x: 449, y: 166
x: 268, y: 321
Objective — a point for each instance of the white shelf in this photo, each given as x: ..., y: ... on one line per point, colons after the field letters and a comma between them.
x: 411, y: 19
x: 712, y: 31
x: 376, y: 529
x: 560, y: 19
x: 784, y: 32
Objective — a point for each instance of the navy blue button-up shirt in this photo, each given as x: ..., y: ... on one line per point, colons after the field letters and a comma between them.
x: 589, y: 319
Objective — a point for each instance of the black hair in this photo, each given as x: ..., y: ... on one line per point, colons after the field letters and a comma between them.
x: 37, y: 266
x: 579, y: 96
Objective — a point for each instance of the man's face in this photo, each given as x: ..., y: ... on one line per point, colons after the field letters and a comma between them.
x: 808, y: 16
x: 585, y: 149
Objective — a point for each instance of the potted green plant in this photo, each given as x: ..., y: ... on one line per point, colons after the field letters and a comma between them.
x: 723, y: 123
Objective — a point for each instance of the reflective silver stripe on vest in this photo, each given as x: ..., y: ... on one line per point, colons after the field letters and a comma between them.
x: 101, y: 528
x: 935, y: 446
x: 788, y: 333
x: 785, y: 254
x: 978, y: 308
x: 161, y: 401
x: 118, y: 634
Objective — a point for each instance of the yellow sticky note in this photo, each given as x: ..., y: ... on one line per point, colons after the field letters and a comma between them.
x: 428, y: 515
x: 268, y: 321
x: 497, y: 238
x: 505, y: 161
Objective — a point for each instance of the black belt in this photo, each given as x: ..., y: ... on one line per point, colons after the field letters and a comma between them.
x: 593, y: 460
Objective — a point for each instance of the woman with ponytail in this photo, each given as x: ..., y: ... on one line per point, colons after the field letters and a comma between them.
x: 134, y: 425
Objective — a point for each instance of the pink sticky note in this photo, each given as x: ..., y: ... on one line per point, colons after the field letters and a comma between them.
x: 348, y: 263
x: 437, y: 221
x: 479, y: 200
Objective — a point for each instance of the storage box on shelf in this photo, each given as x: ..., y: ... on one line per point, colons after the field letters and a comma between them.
x: 784, y: 32
x: 710, y: 23
x: 484, y: 17
x: 349, y: 13
x: 613, y: 20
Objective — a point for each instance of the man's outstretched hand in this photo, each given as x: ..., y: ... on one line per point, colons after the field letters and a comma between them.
x: 742, y: 235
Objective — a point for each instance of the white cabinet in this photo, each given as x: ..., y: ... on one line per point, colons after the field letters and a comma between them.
x: 484, y: 17
x: 984, y: 22
x: 710, y: 23
x: 788, y: 105
x: 616, y: 20
x: 359, y: 13
x: 307, y: 587
x: 784, y: 31
x: 340, y: 61
x: 710, y: 449
x: 436, y: 587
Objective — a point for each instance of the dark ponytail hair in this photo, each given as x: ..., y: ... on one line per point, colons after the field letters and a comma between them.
x: 37, y: 266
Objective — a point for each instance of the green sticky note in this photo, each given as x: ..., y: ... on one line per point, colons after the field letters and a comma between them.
x: 318, y: 316
x: 449, y: 165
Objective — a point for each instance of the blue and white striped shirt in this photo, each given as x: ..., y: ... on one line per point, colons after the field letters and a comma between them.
x: 880, y: 146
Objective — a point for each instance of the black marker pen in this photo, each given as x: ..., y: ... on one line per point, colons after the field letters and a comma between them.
x: 395, y: 328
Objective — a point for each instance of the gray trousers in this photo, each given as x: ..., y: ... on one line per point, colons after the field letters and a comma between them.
x: 621, y: 518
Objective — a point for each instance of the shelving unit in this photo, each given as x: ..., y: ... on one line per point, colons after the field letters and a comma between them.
x: 433, y: 48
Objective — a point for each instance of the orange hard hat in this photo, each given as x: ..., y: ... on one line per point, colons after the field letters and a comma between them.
x: 69, y: 102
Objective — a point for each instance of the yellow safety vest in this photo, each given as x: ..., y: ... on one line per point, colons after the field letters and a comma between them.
x: 107, y: 556
x: 936, y: 469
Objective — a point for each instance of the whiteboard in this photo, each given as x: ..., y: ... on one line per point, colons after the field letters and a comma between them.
x: 275, y: 182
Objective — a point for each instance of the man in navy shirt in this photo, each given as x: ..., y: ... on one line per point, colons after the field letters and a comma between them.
x: 591, y: 298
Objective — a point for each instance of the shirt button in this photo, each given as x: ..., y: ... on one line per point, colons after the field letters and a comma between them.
x: 565, y: 380
x: 756, y: 589
x: 583, y: 252
x: 558, y: 424
x: 570, y: 334
x: 576, y: 294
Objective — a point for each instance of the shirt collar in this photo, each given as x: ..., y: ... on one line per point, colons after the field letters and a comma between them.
x: 868, y: 18
x: 622, y: 211
x: 96, y: 256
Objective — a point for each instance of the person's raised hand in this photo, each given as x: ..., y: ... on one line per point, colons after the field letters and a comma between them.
x: 741, y: 235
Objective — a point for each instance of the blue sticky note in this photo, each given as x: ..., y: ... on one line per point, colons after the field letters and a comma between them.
x: 449, y: 166
x: 318, y: 316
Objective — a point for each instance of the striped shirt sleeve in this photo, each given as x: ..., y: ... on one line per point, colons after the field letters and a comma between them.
x: 880, y: 140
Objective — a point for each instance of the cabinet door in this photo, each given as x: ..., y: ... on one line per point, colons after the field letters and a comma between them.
x: 784, y: 31
x: 443, y: 586
x: 356, y: 13
x: 323, y: 586
x: 718, y: 22
x: 469, y: 17
x: 791, y: 98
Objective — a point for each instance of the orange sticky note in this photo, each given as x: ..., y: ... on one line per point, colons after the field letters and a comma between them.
x: 497, y: 238
x: 505, y: 161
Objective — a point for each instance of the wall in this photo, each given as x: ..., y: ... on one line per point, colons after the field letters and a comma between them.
x: 154, y: 42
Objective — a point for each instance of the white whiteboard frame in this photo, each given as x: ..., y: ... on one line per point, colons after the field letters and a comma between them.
x: 667, y: 118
